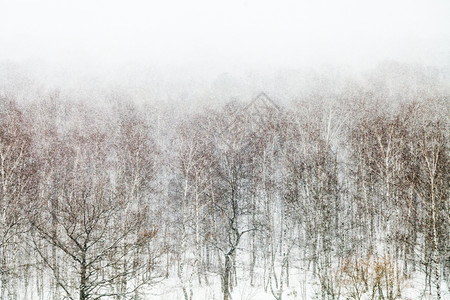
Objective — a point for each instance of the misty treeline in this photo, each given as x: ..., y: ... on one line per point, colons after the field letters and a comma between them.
x: 104, y: 201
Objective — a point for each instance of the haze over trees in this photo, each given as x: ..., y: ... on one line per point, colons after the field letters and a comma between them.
x: 347, y: 183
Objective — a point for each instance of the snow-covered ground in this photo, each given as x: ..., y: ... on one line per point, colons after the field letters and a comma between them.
x: 302, y: 286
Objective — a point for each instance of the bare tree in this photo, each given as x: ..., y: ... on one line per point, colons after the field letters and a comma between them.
x: 430, y: 180
x: 92, y: 222
x: 17, y: 182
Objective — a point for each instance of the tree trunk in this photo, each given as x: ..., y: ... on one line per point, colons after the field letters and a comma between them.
x: 226, y: 278
x: 83, y: 273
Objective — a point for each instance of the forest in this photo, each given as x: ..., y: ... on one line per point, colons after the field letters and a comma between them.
x: 331, y: 194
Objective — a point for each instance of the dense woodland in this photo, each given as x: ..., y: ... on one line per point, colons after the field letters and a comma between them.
x: 103, y: 201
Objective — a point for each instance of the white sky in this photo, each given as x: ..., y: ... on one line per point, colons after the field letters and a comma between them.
x: 228, y: 32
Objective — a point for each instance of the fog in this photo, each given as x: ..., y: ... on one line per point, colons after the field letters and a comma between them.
x: 188, y: 46
x: 202, y: 149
